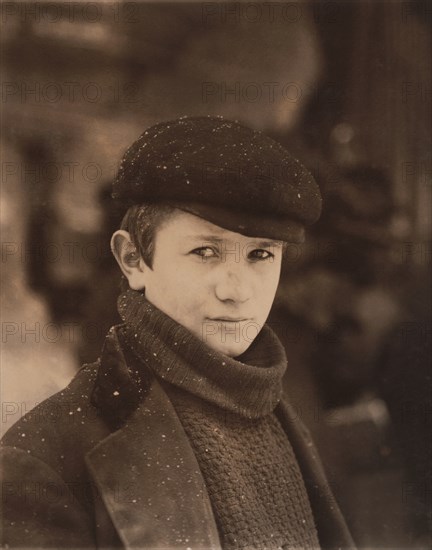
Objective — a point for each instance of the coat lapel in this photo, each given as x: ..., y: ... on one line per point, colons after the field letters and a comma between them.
x: 146, y: 472
x: 331, y: 526
x: 150, y: 481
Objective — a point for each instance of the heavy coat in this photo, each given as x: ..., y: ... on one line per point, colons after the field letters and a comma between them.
x: 102, y: 464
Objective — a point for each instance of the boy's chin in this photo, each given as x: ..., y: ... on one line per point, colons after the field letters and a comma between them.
x: 231, y: 349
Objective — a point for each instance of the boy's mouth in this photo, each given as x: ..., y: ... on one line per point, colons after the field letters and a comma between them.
x: 228, y: 319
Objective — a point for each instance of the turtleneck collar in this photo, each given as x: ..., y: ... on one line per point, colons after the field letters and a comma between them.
x: 250, y: 385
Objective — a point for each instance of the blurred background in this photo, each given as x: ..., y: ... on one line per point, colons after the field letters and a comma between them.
x: 346, y: 86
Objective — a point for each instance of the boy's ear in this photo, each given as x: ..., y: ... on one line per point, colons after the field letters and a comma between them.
x: 129, y: 259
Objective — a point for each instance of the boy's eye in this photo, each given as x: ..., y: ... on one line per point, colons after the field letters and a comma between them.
x: 204, y: 252
x: 260, y: 254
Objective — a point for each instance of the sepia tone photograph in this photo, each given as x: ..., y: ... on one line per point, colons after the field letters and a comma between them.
x: 216, y: 265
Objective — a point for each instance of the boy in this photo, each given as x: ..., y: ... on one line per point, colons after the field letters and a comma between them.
x: 179, y: 437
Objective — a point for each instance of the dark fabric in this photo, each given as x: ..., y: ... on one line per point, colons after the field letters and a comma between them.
x: 93, y: 472
x: 230, y: 175
x: 252, y: 476
x: 251, y: 473
x: 332, y: 529
x: 48, y: 496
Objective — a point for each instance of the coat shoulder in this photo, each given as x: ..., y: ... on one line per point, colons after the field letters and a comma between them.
x: 62, y: 427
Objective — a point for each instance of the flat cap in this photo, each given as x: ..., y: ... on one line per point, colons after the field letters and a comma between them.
x: 224, y: 172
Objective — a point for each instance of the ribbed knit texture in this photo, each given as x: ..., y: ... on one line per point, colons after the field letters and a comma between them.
x: 226, y: 408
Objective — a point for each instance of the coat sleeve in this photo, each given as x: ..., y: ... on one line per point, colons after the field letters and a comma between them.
x: 40, y: 509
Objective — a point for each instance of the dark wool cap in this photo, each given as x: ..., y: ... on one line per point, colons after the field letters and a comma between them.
x: 224, y: 172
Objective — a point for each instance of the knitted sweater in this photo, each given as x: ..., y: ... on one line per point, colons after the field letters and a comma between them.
x: 226, y: 407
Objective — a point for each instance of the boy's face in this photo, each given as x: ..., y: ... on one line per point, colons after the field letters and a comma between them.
x: 218, y: 284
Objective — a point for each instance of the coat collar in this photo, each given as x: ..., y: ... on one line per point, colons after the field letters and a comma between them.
x: 139, y: 467
x: 116, y: 392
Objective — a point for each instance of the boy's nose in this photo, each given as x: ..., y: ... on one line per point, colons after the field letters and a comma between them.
x: 232, y: 287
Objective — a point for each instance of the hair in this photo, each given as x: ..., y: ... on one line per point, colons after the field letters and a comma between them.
x: 142, y: 221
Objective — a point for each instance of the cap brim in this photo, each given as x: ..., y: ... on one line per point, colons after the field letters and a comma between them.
x: 247, y: 223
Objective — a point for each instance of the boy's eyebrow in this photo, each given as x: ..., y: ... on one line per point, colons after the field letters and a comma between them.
x: 211, y: 238
x: 215, y: 239
x: 268, y: 244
